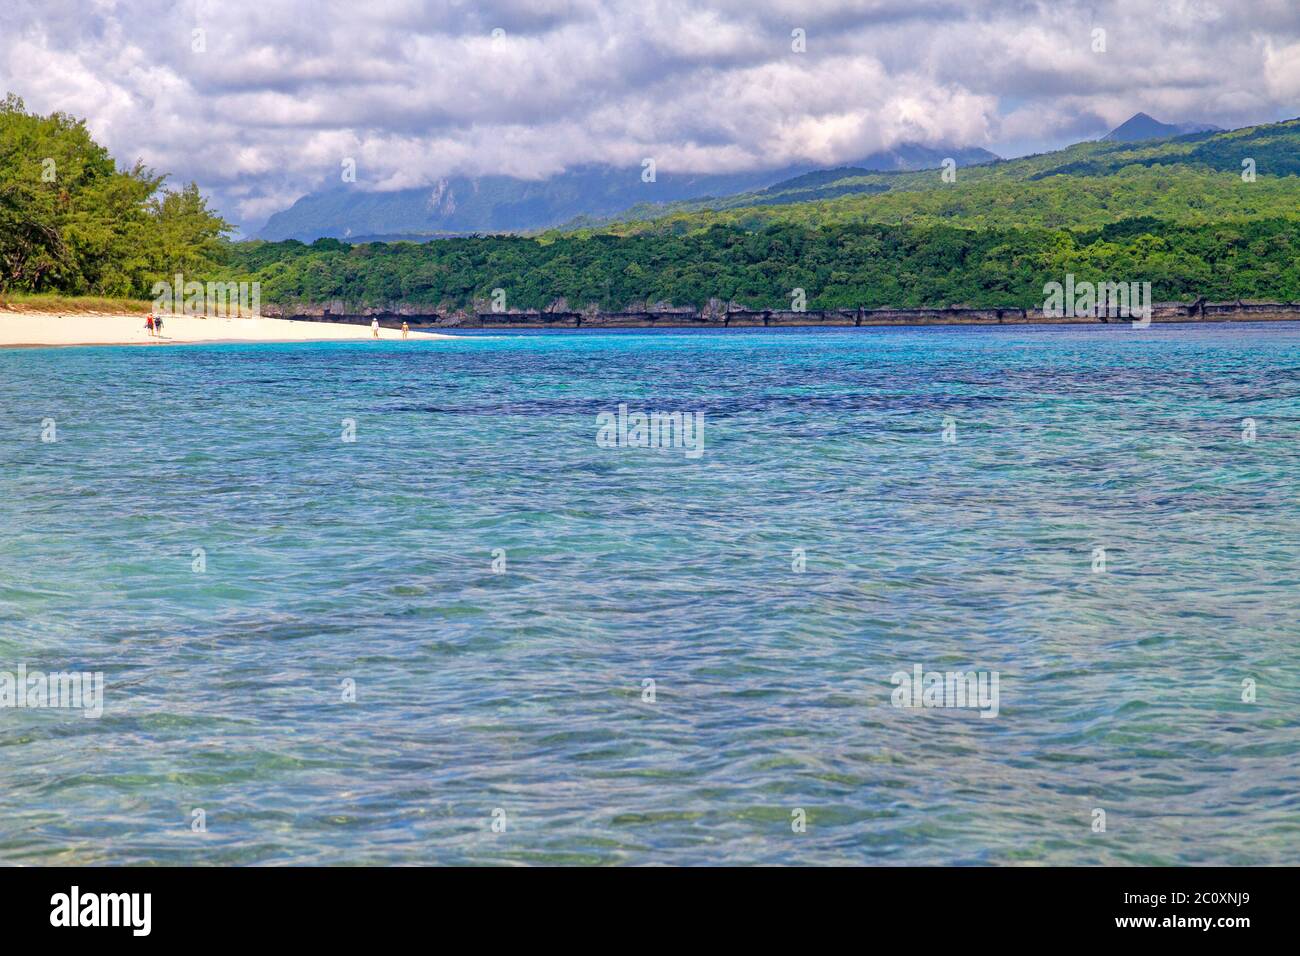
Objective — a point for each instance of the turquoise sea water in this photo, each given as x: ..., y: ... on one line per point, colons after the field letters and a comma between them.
x: 522, y: 692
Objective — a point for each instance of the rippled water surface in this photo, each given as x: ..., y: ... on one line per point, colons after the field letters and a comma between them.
x: 523, y: 691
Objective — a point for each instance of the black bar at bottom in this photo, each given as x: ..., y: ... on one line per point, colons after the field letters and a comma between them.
x: 338, y: 906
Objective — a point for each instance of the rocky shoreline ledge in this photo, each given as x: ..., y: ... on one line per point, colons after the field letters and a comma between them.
x: 1198, y: 311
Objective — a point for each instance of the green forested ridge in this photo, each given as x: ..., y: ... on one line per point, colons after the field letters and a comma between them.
x: 1197, y: 188
x: 843, y: 266
x: 1195, y: 178
x: 72, y: 222
x: 1173, y: 212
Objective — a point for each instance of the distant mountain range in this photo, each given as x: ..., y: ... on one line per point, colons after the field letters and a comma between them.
x: 596, y: 195
x: 461, y: 205
x: 1093, y: 158
x: 1141, y: 126
x: 1078, y: 185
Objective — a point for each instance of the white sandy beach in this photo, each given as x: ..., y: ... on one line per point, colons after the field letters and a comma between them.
x: 47, y: 328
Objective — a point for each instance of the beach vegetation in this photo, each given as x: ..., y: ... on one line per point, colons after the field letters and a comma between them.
x: 74, y: 222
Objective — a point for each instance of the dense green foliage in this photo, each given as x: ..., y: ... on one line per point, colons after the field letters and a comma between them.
x: 72, y: 222
x: 842, y: 266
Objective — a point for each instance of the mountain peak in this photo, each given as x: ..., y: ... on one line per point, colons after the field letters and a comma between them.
x: 502, y: 204
x: 1142, y: 126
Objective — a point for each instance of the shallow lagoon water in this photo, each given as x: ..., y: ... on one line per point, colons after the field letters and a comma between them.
x: 372, y: 562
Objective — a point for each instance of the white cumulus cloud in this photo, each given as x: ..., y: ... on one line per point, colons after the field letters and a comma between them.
x: 260, y: 101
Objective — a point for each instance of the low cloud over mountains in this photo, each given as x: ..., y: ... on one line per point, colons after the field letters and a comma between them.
x: 417, y: 91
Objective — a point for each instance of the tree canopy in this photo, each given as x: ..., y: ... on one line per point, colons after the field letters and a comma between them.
x: 72, y: 222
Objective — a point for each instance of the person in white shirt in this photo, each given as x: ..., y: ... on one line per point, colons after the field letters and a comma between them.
x: 374, y: 327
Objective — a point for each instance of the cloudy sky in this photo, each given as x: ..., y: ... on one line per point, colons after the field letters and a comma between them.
x: 260, y: 101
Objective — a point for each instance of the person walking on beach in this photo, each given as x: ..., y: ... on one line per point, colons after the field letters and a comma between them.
x: 157, y: 325
x: 148, y: 323
x: 406, y: 329
x: 374, y: 328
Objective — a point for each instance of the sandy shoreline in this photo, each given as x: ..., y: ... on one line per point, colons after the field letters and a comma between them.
x: 42, y: 329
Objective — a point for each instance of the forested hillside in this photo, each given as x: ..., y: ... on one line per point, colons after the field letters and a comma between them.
x: 1194, y: 178
x: 864, y: 264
